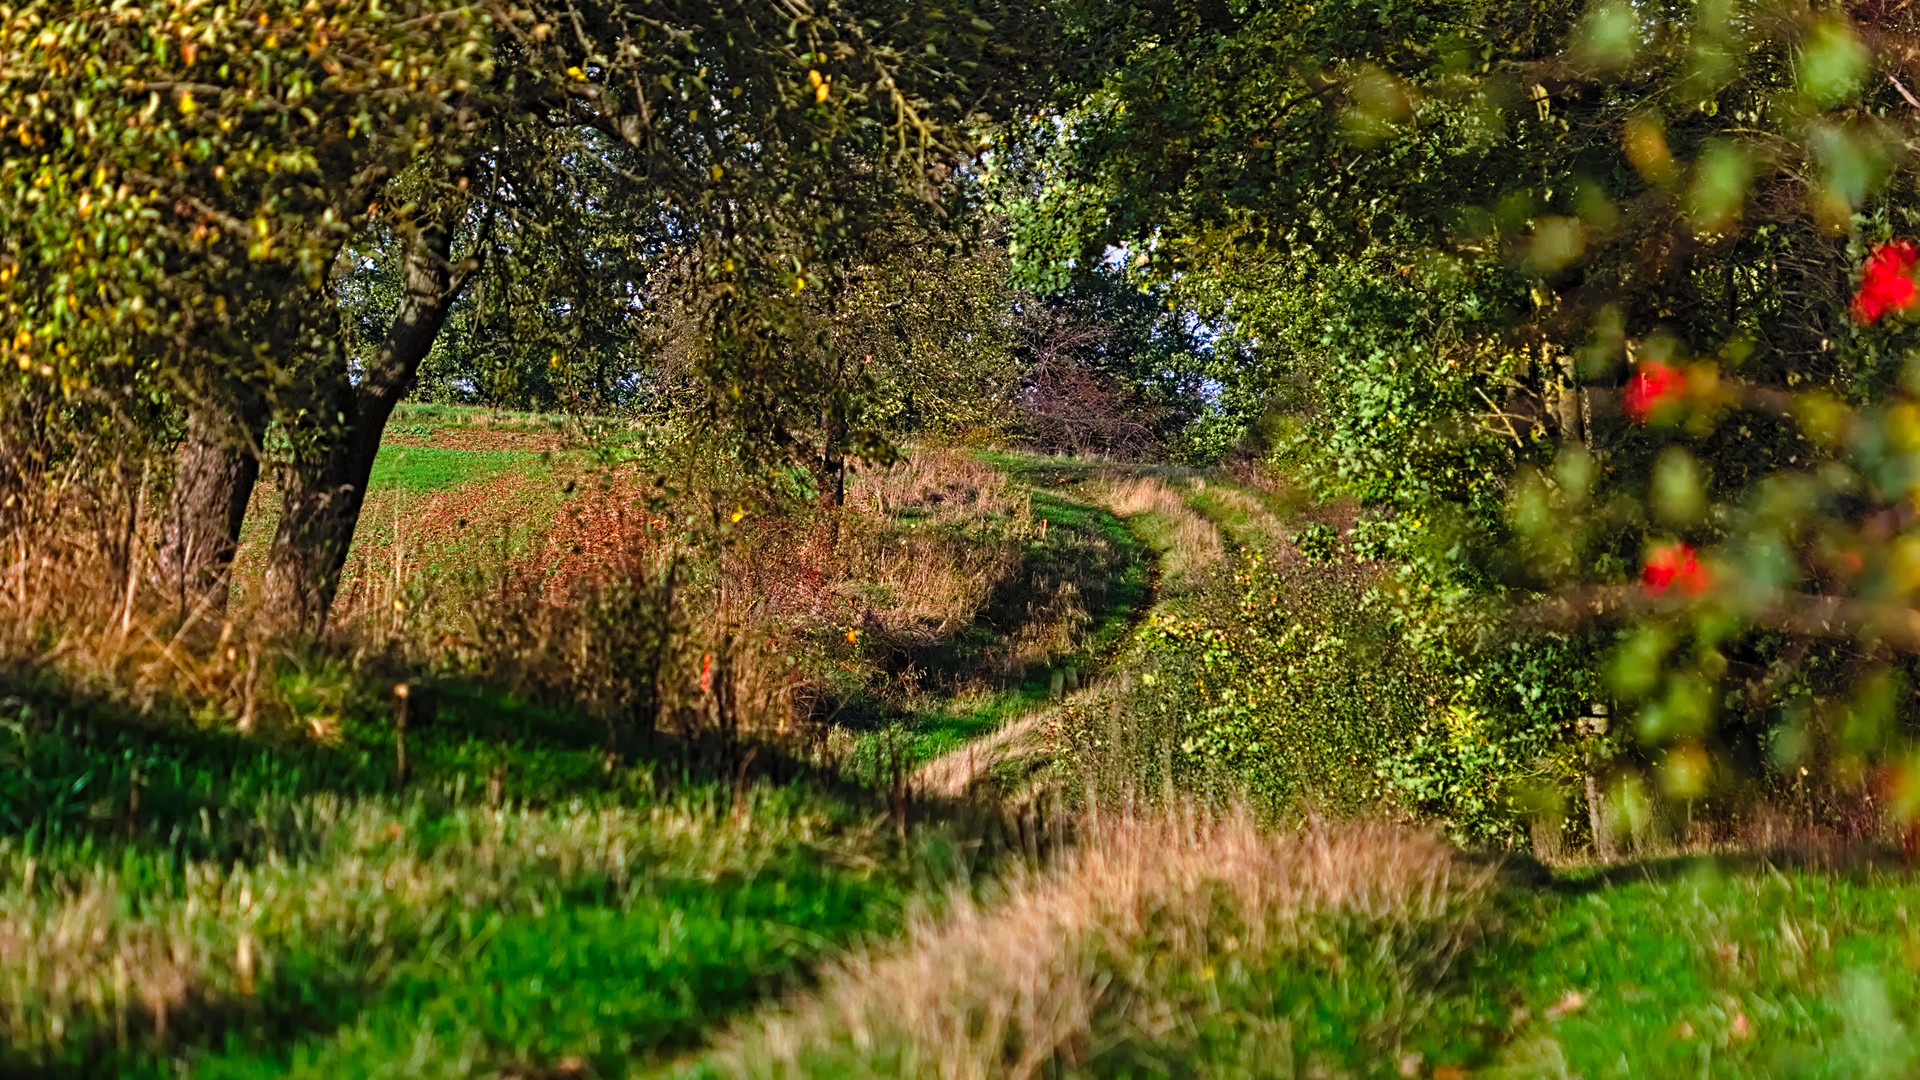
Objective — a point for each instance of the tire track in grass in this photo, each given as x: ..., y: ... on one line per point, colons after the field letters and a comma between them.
x: 1185, y: 535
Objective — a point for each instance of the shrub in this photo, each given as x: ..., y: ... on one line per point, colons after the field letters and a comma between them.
x: 1317, y: 541
x: 1277, y: 684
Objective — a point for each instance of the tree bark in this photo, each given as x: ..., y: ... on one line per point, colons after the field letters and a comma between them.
x: 215, y: 470
x: 326, y: 480
x: 1567, y: 394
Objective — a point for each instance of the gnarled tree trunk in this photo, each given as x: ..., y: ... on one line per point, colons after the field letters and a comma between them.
x: 326, y: 480
x: 215, y: 469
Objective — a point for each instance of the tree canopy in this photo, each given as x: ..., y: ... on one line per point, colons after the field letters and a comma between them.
x: 182, y: 180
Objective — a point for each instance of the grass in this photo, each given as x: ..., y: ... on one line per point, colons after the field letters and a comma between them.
x: 1173, y: 946
x: 1163, y: 948
x: 177, y: 898
x: 286, y: 910
x: 422, y: 469
x: 1720, y: 967
x: 951, y: 724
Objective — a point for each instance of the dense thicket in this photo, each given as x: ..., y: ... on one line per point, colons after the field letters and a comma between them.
x: 1561, y: 293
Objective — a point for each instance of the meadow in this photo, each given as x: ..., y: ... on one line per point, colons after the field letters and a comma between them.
x: 978, y: 539
x: 934, y: 823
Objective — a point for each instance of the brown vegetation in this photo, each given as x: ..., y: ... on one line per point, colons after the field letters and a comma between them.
x: 1110, y: 943
x: 1193, y: 545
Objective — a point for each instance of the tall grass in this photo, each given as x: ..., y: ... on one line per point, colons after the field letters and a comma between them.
x: 337, y: 896
x: 1190, y: 543
x: 1182, y: 938
x: 153, y: 897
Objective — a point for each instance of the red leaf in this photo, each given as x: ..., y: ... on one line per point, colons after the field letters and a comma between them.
x: 1886, y: 282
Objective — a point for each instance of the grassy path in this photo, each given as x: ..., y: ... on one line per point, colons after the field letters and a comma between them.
x: 1183, y: 520
x: 1796, y: 963
x: 179, y: 900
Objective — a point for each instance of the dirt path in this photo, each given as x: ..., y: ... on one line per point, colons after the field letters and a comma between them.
x: 1186, y: 520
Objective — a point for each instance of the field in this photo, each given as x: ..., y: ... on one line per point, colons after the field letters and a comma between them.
x: 946, y: 876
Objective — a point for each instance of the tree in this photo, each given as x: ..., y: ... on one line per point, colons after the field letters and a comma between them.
x: 929, y: 315
x: 1570, y: 288
x: 1107, y: 368
x: 180, y: 181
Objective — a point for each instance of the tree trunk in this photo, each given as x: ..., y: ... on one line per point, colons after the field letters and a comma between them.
x: 326, y: 481
x: 1567, y: 394
x: 216, y: 467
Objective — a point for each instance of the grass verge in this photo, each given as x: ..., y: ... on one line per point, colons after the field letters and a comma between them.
x: 172, y: 899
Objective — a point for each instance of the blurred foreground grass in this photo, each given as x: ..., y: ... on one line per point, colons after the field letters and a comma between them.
x: 1371, y: 953
x: 232, y: 907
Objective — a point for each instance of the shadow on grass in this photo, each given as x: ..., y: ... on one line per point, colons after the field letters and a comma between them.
x: 647, y: 964
x: 93, y: 776
x: 1853, y: 860
x: 608, y: 984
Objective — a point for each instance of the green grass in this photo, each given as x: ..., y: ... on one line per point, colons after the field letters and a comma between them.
x: 939, y: 728
x: 607, y: 914
x: 1127, y: 574
x: 1691, y: 968
x: 948, y: 725
x: 1716, y: 968
x: 421, y: 469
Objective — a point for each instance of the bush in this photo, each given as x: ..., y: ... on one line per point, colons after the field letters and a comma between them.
x: 1278, y: 684
x: 1317, y: 541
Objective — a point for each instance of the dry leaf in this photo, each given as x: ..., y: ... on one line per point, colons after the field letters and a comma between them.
x: 1567, y: 1006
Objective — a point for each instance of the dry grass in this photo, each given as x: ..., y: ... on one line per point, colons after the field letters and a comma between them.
x: 565, y: 581
x: 1117, y: 948
x: 1257, y: 524
x: 961, y: 772
x: 82, y: 598
x: 936, y: 534
x: 1192, y: 543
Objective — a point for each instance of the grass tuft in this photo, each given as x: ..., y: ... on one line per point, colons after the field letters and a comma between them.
x: 1183, y: 938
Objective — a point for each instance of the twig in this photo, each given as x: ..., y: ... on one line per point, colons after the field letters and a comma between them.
x: 1911, y: 100
x: 1841, y: 617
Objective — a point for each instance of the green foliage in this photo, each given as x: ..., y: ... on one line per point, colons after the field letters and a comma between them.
x: 1278, y: 685
x: 1317, y: 541
x: 1445, y: 268
x: 1108, y: 368
x: 929, y: 321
